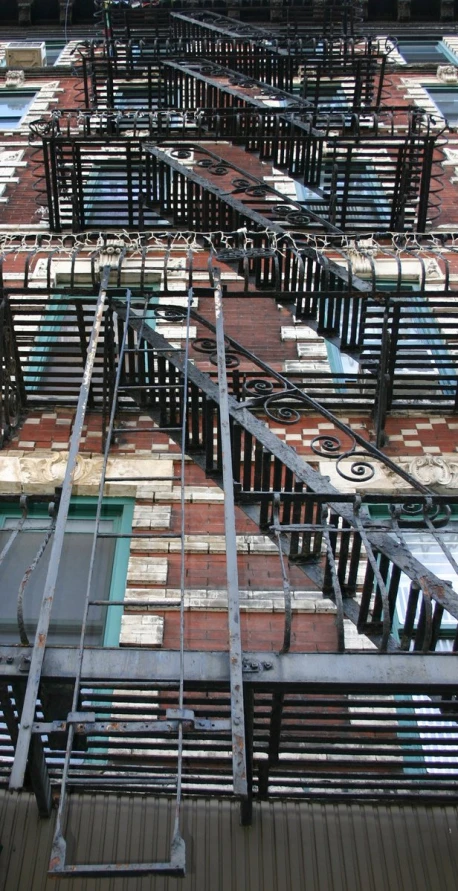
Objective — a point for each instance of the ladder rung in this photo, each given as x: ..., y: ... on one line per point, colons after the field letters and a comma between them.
x: 159, y: 604
x: 139, y: 535
x: 144, y: 429
x: 150, y: 387
x: 137, y: 479
x: 156, y: 350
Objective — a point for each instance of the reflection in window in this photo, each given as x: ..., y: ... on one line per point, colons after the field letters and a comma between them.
x: 14, y: 105
x: 71, y: 585
x: 426, y: 549
x: 433, y: 732
x: 425, y: 51
x: 53, y: 51
x: 446, y: 102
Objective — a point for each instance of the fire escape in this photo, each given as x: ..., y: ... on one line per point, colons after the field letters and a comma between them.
x: 145, y: 162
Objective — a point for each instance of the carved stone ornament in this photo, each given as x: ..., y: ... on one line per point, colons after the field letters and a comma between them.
x: 433, y: 270
x: 448, y: 74
x: 14, y: 78
x: 404, y: 10
x: 432, y: 470
x: 51, y: 468
x: 40, y: 473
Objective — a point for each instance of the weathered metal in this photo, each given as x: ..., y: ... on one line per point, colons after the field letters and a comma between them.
x: 235, y: 639
x: 356, y: 672
x: 349, y: 726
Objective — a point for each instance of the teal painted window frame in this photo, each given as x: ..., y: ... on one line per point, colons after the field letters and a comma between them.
x: 121, y: 511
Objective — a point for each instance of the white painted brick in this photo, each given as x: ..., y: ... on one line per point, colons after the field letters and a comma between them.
x: 171, y: 332
x: 142, y: 631
x: 158, y: 545
x: 147, y: 569
x: 152, y: 516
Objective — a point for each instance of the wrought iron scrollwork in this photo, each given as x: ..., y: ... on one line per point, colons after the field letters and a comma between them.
x: 424, y: 514
x: 208, y: 346
x: 169, y: 314
x: 181, y: 154
x: 360, y: 470
x: 261, y: 393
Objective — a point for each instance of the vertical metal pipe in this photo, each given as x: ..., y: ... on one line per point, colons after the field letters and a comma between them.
x: 33, y: 683
x: 239, y: 768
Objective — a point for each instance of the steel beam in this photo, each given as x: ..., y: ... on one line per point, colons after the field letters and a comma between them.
x: 239, y: 758
x: 346, y: 672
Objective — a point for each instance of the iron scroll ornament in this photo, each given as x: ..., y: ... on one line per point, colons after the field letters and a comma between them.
x: 269, y: 395
x: 360, y: 470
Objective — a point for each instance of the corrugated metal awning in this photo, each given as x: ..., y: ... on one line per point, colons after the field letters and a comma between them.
x: 292, y: 846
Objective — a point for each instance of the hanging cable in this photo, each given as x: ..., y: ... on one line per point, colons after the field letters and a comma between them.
x: 184, y: 427
x: 26, y: 577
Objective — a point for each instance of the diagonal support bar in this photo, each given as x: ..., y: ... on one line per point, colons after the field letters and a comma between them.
x: 239, y: 764
x: 33, y: 683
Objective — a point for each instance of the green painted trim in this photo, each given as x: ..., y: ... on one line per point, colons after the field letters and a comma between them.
x: 112, y: 630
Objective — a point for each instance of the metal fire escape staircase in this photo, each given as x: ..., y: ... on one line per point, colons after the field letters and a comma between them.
x: 253, y: 695
x: 343, y: 725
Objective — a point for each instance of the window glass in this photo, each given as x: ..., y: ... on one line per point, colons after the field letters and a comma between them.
x: 71, y: 581
x: 53, y: 50
x: 426, y: 549
x: 446, y: 100
x: 437, y: 732
x: 424, y: 51
x: 14, y: 105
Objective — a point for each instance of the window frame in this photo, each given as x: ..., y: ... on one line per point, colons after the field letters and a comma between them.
x: 121, y: 511
x: 444, y: 54
x: 26, y: 91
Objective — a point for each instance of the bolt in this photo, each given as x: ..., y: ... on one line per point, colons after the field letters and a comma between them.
x: 236, y: 721
x: 10, y: 660
x: 25, y: 726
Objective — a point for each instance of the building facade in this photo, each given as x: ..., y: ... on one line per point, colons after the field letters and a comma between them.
x: 228, y: 475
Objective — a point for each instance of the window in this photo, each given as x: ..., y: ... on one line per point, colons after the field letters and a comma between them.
x: 433, y: 732
x: 425, y: 51
x: 108, y: 580
x: 14, y: 105
x: 361, y: 198
x: 53, y: 51
x: 426, y: 549
x: 446, y: 101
